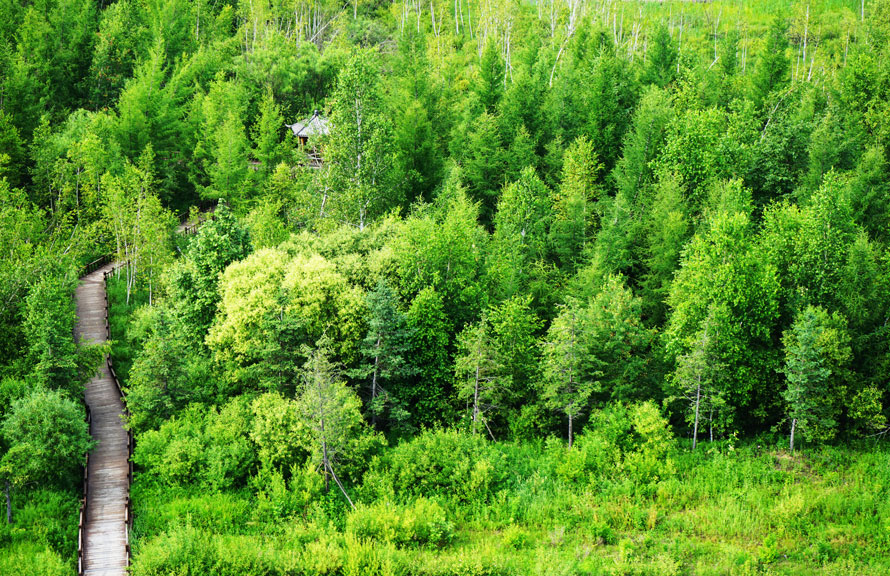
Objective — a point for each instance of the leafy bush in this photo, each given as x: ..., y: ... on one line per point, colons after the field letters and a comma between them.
x: 421, y: 523
x: 632, y: 440
x: 200, y: 446
x: 33, y: 560
x: 280, y: 498
x: 443, y: 463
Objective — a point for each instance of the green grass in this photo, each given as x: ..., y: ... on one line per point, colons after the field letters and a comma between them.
x: 727, y: 510
x: 120, y: 314
x: 42, y: 540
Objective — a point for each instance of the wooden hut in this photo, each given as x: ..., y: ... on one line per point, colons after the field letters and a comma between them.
x: 315, y: 125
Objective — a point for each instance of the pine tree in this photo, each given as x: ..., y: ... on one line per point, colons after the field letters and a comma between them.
x: 662, y: 58
x: 567, y: 381
x: 490, y: 86
x: 773, y: 65
x: 482, y: 376
x: 384, y: 351
x: 817, y: 350
x: 574, y: 202
x: 267, y: 146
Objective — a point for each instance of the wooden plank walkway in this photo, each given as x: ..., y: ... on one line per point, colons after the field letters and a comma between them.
x: 105, y: 532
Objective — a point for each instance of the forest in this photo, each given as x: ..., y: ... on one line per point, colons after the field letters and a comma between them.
x: 560, y: 287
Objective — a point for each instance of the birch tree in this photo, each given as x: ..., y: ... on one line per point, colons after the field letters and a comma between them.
x: 696, y: 375
x: 358, y: 152
x: 141, y: 226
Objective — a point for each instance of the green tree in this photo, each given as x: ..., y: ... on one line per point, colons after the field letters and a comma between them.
x: 56, y: 361
x: 47, y: 436
x: 12, y: 158
x: 121, y: 38
x: 150, y: 111
x: 729, y: 53
x: 490, y: 84
x: 244, y: 333
x: 567, y: 378
x: 221, y: 150
x: 705, y: 146
x: 443, y: 247
x: 661, y: 64
x: 170, y: 370
x: 481, y: 375
x: 772, y: 68
x: 271, y: 306
x: 643, y: 142
x: 192, y: 283
x: 520, y: 155
x: 275, y: 428
x: 384, y: 352
x: 610, y: 94
x: 23, y: 230
x: 482, y: 163
x: 427, y: 396
x: 817, y: 352
x: 619, y: 342
x: 228, y: 169
x: 330, y: 411
x: 520, y: 234
x: 268, y: 148
x: 574, y: 202
x: 142, y: 228
x: 415, y: 104
x: 358, y: 157
x: 667, y: 229
x: 514, y: 327
x: 698, y: 379
x: 723, y: 272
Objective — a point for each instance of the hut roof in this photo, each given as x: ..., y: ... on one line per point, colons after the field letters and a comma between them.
x: 316, y: 124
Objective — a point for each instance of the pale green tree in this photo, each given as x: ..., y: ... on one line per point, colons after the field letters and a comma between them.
x: 568, y: 380
x: 482, y: 377
x: 358, y: 158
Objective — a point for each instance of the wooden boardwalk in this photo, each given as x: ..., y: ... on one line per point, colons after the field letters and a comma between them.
x: 105, y: 532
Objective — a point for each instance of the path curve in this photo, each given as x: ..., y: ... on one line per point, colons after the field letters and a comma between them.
x: 105, y: 529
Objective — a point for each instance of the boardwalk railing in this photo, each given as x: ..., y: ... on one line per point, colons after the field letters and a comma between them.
x: 96, y: 264
x: 81, y: 523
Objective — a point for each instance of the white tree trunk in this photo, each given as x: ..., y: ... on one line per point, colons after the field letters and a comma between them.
x: 793, y: 426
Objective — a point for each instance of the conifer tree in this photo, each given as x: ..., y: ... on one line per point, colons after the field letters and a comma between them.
x: 817, y: 351
x: 482, y: 376
x: 567, y: 379
x: 384, y: 351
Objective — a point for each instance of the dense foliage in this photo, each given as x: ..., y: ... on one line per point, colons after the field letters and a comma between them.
x: 470, y: 329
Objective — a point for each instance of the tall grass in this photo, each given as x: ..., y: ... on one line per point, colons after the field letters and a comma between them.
x: 727, y: 509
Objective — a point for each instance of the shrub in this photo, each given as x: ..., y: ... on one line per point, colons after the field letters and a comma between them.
x: 423, y: 523
x: 634, y: 441
x: 202, y: 446
x: 443, y: 463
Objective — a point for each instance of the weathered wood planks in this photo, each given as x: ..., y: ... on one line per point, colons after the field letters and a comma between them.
x: 105, y: 533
